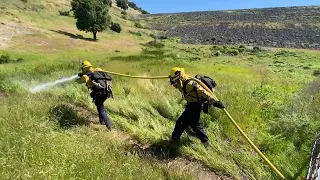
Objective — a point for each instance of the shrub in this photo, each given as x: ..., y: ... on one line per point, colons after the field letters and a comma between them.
x: 316, y: 72
x: 5, y: 58
x: 241, y: 50
x: 136, y: 33
x: 108, y: 2
x: 144, y: 12
x: 216, y: 47
x: 124, y: 17
x: 242, y: 47
x: 124, y: 12
x: 152, y: 35
x: 25, y: 1
x: 133, y: 5
x: 233, y: 52
x: 163, y: 37
x: 122, y: 4
x: 256, y: 49
x: 116, y: 27
x: 218, y: 53
x: 138, y: 25
x: 64, y: 13
x: 155, y: 44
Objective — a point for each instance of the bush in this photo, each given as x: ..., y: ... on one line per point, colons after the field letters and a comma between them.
x: 316, y: 72
x: 242, y: 48
x: 124, y: 13
x: 138, y: 25
x: 108, y: 2
x: 5, y: 58
x: 256, y: 49
x: 163, y: 37
x: 144, y: 12
x: 116, y: 27
x: 218, y: 53
x: 124, y: 17
x: 25, y: 1
x: 136, y: 33
x: 233, y: 52
x: 216, y: 47
x: 133, y: 5
x: 64, y: 13
x: 155, y: 44
x: 122, y: 4
x: 152, y: 35
x: 175, y: 40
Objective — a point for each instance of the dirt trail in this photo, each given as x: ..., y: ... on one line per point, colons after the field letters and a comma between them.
x: 8, y: 30
x: 192, y: 167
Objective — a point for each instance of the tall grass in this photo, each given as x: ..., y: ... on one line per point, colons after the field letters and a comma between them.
x: 272, y: 95
x: 148, y: 109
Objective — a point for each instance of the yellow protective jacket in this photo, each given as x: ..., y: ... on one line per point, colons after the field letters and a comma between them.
x: 193, y: 95
x: 85, y: 79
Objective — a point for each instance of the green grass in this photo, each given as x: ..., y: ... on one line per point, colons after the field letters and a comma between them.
x: 271, y: 95
x: 255, y: 99
x: 34, y: 147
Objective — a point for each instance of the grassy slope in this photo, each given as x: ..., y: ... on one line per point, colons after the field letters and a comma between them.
x: 31, y: 134
x: 33, y: 145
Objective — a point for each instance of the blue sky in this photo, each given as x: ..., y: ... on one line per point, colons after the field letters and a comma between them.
x: 169, y: 6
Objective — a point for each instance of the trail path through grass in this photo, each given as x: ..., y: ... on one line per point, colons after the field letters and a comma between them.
x: 158, y: 154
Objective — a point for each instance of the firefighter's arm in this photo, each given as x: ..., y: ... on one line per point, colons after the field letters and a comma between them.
x: 206, y: 95
x: 85, y: 79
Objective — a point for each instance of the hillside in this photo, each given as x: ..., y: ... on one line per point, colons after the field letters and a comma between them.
x: 273, y: 95
x: 292, y: 27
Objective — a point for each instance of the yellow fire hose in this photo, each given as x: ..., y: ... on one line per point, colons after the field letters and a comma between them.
x: 137, y: 77
x: 227, y: 113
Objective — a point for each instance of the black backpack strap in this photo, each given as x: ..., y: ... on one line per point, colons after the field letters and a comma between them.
x: 194, y: 85
x: 195, y: 88
x: 185, y: 86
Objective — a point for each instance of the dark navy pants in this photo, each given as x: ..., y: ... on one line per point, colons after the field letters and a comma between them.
x: 190, y: 117
x: 103, y: 117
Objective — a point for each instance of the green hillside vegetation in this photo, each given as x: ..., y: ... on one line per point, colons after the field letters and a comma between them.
x: 272, y: 93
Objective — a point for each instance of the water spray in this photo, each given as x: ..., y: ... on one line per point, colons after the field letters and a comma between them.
x: 41, y: 87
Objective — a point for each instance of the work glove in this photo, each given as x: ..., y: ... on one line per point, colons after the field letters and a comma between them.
x: 80, y: 74
x: 218, y: 104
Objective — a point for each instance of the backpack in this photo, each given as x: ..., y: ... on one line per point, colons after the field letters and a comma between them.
x: 102, y: 84
x: 208, y: 81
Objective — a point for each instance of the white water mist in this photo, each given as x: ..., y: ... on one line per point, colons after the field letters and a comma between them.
x: 41, y: 87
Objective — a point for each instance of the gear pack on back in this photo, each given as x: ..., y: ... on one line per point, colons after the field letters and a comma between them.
x: 102, y: 84
x: 208, y: 81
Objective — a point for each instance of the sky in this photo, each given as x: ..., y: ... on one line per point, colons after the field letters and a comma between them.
x: 171, y: 6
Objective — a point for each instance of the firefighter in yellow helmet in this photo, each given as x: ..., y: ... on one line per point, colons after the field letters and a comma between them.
x: 195, y: 95
x: 101, y: 89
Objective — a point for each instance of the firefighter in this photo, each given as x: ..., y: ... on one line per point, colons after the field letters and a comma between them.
x: 195, y: 95
x: 101, y: 89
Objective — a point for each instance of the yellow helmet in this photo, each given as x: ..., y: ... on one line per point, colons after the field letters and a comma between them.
x: 176, y: 73
x: 86, y: 64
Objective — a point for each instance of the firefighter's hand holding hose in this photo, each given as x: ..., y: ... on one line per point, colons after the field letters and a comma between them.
x: 218, y: 104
